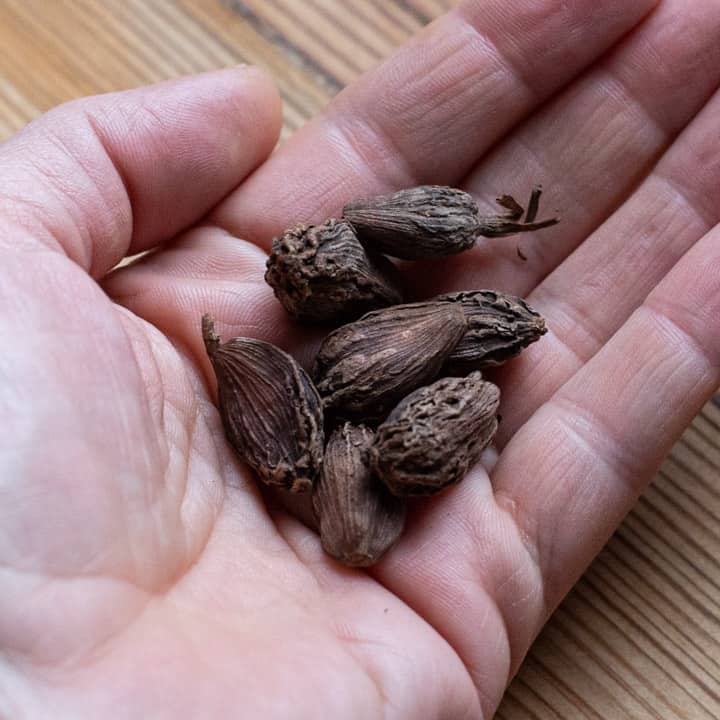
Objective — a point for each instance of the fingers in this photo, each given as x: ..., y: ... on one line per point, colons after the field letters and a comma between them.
x: 591, y: 146
x: 113, y: 175
x: 574, y: 469
x: 505, y: 553
x: 430, y: 111
x: 462, y: 565
x: 595, y: 290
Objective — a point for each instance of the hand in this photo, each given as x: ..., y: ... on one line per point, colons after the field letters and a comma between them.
x: 142, y: 574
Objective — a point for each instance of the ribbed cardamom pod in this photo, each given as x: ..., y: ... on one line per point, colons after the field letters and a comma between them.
x: 323, y: 274
x: 434, y: 435
x: 422, y: 222
x: 499, y: 327
x: 432, y: 220
x: 364, y: 368
x: 270, y: 410
x: 359, y: 519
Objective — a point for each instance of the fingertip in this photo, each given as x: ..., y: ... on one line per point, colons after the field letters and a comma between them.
x: 116, y: 174
x: 255, y: 100
x: 183, y: 144
x: 239, y: 106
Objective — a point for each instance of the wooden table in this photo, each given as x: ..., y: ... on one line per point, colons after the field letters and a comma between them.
x: 638, y: 637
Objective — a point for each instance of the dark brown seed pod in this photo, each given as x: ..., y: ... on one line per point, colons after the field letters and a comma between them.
x: 270, y: 410
x: 323, y: 274
x: 359, y: 518
x: 365, y: 367
x: 499, y: 327
x: 422, y: 222
x: 434, y: 435
x: 434, y: 220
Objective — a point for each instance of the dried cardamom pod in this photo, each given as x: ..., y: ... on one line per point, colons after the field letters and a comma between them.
x: 434, y: 435
x: 362, y: 369
x: 359, y: 518
x: 270, y: 410
x: 430, y: 221
x: 499, y: 327
x: 323, y: 274
x: 421, y: 222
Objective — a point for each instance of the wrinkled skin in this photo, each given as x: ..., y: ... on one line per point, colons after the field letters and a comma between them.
x: 141, y: 573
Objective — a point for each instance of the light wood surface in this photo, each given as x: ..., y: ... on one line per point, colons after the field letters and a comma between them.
x: 638, y: 636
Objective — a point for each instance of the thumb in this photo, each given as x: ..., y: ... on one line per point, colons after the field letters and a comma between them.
x: 111, y: 175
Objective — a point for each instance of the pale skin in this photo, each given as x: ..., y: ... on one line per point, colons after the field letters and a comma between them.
x: 141, y: 573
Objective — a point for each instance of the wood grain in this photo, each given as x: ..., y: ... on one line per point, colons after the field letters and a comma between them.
x: 637, y: 637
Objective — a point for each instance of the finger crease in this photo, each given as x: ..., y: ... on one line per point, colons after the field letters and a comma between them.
x: 669, y: 325
x: 588, y: 428
x: 120, y: 174
x: 373, y: 152
x: 582, y: 336
x: 509, y: 506
x: 683, y: 193
x: 510, y: 67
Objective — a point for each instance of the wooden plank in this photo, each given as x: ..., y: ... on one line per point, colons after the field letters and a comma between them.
x: 304, y: 91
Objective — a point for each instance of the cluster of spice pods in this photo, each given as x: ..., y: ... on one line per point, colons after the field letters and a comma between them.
x: 395, y: 405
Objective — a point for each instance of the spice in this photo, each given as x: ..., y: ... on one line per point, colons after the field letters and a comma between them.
x: 362, y: 369
x: 359, y: 519
x: 422, y: 222
x: 435, y: 434
x: 323, y: 274
x: 499, y: 327
x: 410, y: 370
x: 431, y: 221
x: 270, y: 410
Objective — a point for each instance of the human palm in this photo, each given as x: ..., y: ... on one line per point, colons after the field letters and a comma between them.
x: 141, y: 572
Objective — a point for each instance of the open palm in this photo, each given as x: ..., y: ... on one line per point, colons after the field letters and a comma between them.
x: 141, y: 572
